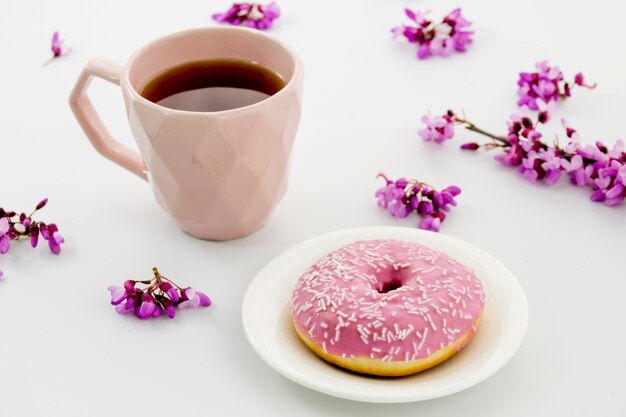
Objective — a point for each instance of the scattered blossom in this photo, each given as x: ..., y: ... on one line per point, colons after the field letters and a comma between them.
x: 253, y: 15
x: 159, y: 295
x: 442, y: 38
x: 57, y: 48
x: 437, y: 129
x: 402, y: 197
x: 14, y: 226
x: 547, y: 83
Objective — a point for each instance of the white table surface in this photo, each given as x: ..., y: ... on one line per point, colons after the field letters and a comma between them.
x: 65, y: 352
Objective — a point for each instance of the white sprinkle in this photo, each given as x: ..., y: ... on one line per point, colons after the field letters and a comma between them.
x: 430, y: 320
x: 423, y: 339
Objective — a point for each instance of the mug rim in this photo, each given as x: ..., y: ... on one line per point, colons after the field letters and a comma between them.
x: 135, y: 95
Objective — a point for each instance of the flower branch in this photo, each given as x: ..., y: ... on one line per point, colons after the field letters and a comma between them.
x: 158, y: 295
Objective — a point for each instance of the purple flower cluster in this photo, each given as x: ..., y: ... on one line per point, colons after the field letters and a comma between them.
x: 441, y: 38
x: 401, y: 197
x: 596, y: 166
x: 161, y: 295
x: 14, y: 226
x: 253, y: 15
x: 546, y: 83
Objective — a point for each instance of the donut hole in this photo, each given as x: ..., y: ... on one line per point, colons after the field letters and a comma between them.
x: 389, y: 286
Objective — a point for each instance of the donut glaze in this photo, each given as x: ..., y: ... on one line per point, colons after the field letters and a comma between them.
x: 387, y: 307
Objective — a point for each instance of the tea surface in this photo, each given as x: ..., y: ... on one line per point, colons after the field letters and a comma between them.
x: 213, y: 85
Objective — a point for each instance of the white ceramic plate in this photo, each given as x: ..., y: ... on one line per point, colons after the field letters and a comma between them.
x: 267, y: 323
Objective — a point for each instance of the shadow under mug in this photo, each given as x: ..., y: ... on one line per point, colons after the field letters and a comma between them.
x: 217, y: 174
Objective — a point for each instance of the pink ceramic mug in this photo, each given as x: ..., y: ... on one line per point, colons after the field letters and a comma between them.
x: 217, y: 174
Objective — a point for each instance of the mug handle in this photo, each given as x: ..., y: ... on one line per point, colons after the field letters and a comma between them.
x: 92, y: 124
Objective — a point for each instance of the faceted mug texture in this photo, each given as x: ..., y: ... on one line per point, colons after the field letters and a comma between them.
x: 218, y: 176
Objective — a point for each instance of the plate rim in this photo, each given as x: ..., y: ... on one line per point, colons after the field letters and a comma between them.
x: 340, y: 392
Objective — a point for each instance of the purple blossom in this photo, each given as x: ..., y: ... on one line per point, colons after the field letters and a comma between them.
x: 522, y: 126
x: 169, y: 306
x: 193, y: 298
x: 546, y: 83
x: 57, y: 48
x: 438, y: 129
x: 530, y: 166
x: 576, y: 169
x: 621, y: 174
x: 470, y: 146
x: 5, y: 239
x: 551, y: 165
x: 609, y: 184
x: 1, y: 275
x: 53, y: 237
x: 390, y: 193
x: 170, y: 290
x: 56, y: 45
x: 579, y: 79
x: 118, y: 294
x: 14, y: 226
x: 147, y: 306
x: 432, y: 38
x: 574, y: 143
x: 430, y: 223
x: 460, y: 37
x: 160, y: 295
x: 618, y: 150
x: 402, y: 197
x: 253, y: 15
x: 541, y: 84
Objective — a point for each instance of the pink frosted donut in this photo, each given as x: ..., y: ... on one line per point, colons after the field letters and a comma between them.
x: 387, y: 307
